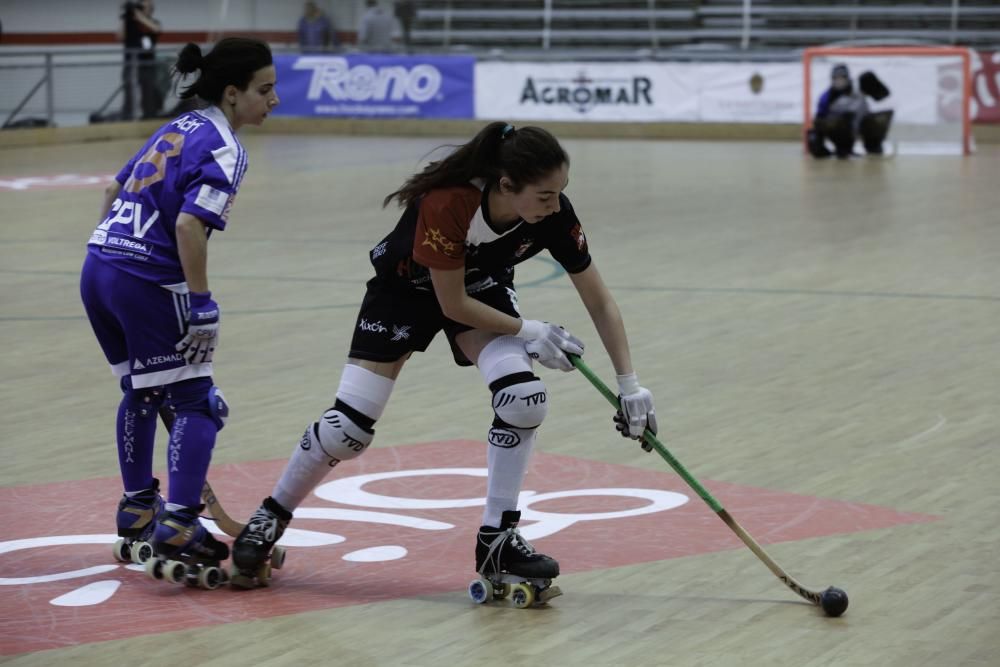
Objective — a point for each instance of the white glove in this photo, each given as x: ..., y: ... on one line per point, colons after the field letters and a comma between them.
x: 549, y: 344
x: 199, y: 344
x: 635, y: 412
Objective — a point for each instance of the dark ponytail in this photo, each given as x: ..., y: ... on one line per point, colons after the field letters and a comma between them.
x: 524, y: 155
x: 232, y: 62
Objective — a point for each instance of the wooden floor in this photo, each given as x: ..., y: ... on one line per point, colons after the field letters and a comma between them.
x: 827, y: 329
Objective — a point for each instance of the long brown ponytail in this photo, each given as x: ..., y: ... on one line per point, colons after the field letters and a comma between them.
x: 524, y: 155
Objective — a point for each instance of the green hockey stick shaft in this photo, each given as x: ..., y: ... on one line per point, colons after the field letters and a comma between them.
x: 650, y: 438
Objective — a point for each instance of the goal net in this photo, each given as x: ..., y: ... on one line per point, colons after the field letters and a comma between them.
x: 929, y: 93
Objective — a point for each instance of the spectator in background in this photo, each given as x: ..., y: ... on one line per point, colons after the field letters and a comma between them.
x: 316, y: 32
x: 842, y: 116
x: 139, y: 32
x: 406, y: 11
x: 375, y: 29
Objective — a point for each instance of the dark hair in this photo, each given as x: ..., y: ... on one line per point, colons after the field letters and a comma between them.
x: 524, y: 155
x: 232, y: 61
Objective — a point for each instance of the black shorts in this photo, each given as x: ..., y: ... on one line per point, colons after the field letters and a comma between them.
x: 395, y: 321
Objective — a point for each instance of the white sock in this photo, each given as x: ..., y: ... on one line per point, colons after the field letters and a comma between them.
x: 507, y: 466
x: 306, y: 468
x: 363, y: 390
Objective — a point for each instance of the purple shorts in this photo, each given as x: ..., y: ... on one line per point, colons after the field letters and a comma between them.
x: 137, y: 324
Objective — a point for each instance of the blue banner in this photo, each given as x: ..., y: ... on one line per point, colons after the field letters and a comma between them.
x: 375, y: 86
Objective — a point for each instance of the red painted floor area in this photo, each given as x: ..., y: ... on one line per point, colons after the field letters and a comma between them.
x: 403, y: 524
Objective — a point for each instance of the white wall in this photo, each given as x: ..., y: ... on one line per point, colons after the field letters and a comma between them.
x: 185, y: 15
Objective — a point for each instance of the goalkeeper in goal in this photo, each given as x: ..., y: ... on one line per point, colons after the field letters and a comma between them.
x: 842, y: 116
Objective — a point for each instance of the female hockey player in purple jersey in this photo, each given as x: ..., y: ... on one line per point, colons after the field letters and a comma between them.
x: 449, y: 265
x: 145, y: 288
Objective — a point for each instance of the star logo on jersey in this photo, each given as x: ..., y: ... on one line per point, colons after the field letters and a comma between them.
x: 523, y: 248
x: 578, y: 236
x: 435, y: 238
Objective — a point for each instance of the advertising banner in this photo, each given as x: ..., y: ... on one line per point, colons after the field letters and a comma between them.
x: 636, y: 92
x: 612, y: 92
x: 986, y: 87
x: 745, y: 92
x: 922, y: 91
x: 382, y: 86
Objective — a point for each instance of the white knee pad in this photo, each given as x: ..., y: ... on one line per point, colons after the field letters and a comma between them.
x: 345, y: 430
x: 519, y: 400
x: 519, y: 397
x: 336, y: 437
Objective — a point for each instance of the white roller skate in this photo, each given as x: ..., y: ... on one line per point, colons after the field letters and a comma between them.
x: 185, y: 552
x: 507, y: 564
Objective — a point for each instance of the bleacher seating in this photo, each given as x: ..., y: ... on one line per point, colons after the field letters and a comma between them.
x: 659, y: 24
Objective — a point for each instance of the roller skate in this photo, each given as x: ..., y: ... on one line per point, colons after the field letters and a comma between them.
x: 254, y: 553
x: 185, y: 552
x: 136, y: 520
x: 507, y: 564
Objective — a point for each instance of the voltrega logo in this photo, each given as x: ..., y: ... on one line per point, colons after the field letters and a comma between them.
x: 583, y: 93
x: 336, y: 79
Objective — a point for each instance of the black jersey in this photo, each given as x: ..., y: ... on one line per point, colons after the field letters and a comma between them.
x: 450, y: 228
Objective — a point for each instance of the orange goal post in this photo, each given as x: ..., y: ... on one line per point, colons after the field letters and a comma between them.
x: 930, y: 92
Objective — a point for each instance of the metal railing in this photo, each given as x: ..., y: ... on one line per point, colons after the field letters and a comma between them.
x: 543, y: 25
x: 73, y: 85
x: 45, y: 80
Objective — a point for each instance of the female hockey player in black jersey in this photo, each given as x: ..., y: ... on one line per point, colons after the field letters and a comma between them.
x: 449, y: 265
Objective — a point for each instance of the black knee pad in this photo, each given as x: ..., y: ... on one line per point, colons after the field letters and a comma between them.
x: 817, y: 147
x: 874, y: 129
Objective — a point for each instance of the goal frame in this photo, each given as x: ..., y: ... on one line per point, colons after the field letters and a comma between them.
x: 961, y: 52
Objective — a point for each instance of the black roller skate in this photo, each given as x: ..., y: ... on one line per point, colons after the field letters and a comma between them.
x: 136, y: 520
x: 185, y: 552
x: 508, y: 565
x: 254, y: 553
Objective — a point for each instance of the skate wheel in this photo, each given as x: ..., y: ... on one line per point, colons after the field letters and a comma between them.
x: 501, y: 591
x: 547, y: 594
x: 278, y: 557
x: 121, y: 551
x: 481, y: 591
x: 264, y: 574
x: 174, y: 571
x: 141, y: 552
x: 154, y: 568
x: 211, y: 577
x: 239, y: 580
x: 522, y: 595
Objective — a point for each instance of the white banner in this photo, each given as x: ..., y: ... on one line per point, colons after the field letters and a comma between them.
x: 699, y: 92
x: 615, y: 92
x: 745, y: 92
x: 630, y: 92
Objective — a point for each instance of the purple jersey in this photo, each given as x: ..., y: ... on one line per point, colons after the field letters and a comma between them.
x: 194, y: 164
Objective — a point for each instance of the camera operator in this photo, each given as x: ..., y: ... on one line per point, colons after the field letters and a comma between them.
x: 139, y: 32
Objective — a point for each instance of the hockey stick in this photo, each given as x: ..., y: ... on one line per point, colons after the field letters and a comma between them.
x: 832, y: 600
x: 226, y: 523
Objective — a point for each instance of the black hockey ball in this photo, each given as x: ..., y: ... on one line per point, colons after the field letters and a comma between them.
x: 834, y: 601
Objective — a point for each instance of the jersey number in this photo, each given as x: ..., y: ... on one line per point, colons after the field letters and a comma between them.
x: 153, y: 164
